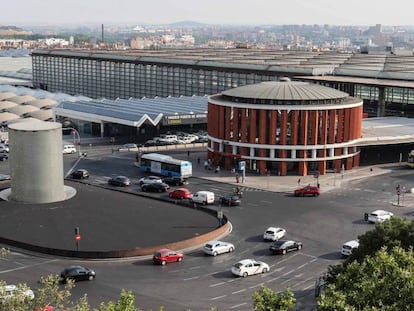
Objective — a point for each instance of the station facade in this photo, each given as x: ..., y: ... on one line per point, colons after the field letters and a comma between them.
x: 285, y: 127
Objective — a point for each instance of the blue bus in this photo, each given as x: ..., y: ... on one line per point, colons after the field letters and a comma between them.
x: 165, y: 165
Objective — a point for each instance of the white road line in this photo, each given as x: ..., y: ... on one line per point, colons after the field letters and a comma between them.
x: 196, y: 267
x: 28, y: 266
x: 218, y: 297
x: 276, y: 270
x: 263, y: 201
x: 193, y: 278
x: 257, y: 285
x: 239, y: 305
x: 274, y: 279
x: 216, y: 284
x: 289, y: 272
x: 252, y: 204
x: 307, y: 287
x: 239, y: 291
x: 301, y: 282
x: 294, y: 277
x: 301, y: 266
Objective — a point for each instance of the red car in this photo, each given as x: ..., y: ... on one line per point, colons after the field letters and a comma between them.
x: 180, y: 193
x: 308, y: 190
x: 165, y: 255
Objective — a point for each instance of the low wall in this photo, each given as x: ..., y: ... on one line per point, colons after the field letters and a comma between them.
x: 124, y: 253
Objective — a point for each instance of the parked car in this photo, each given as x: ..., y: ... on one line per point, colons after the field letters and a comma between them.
x: 307, y: 191
x: 166, y: 255
x: 129, y: 147
x: 4, y: 177
x: 149, y: 180
x: 180, y: 193
x: 203, y: 197
x: 3, y: 156
x: 247, y: 267
x: 175, y: 181
x: 9, y: 291
x: 122, y: 181
x: 77, y: 273
x: 150, y: 143
x: 80, y: 174
x: 4, y: 148
x: 230, y: 199
x: 155, y: 187
x: 379, y: 216
x: 348, y: 247
x: 285, y: 246
x: 274, y: 233
x: 215, y: 248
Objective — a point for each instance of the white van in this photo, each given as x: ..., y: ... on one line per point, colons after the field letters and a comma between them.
x: 348, y: 247
x: 203, y: 197
x: 69, y: 149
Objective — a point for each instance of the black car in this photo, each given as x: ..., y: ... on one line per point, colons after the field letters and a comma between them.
x: 155, y: 187
x: 3, y: 156
x: 80, y: 174
x: 121, y: 181
x: 284, y: 246
x: 77, y: 273
x: 175, y: 181
x: 230, y: 199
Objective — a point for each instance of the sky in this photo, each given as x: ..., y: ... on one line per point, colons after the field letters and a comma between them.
x: 229, y: 12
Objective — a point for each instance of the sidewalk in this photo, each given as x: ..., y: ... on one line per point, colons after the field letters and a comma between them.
x: 288, y: 184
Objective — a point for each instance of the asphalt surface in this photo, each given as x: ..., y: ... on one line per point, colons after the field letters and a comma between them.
x: 118, y: 220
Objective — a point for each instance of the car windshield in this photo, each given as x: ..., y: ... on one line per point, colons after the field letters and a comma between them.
x: 279, y: 243
x: 238, y: 265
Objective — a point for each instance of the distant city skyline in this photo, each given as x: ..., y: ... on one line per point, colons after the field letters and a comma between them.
x: 227, y: 12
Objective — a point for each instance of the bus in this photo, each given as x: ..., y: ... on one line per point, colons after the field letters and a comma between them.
x: 410, y: 161
x: 165, y: 165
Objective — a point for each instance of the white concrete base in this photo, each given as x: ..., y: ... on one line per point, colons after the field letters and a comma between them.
x: 70, y: 192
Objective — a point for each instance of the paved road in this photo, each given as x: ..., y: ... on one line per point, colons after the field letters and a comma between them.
x: 201, y: 282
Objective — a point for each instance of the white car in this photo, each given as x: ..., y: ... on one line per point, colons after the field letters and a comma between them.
x: 247, y: 267
x: 274, y: 233
x: 128, y: 147
x: 149, y: 180
x: 215, y: 248
x: 348, y: 247
x: 9, y: 291
x: 69, y: 149
x: 379, y: 216
x: 4, y: 148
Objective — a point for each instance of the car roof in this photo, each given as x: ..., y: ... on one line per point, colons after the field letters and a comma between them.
x: 352, y: 243
x: 274, y: 228
x: 183, y: 189
x: 380, y: 211
x: 246, y: 261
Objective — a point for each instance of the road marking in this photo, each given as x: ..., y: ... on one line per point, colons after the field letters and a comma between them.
x: 239, y: 305
x: 301, y: 282
x: 276, y: 270
x: 274, y: 279
x: 196, y: 267
x: 266, y: 202
x: 218, y: 297
x: 294, y: 277
x: 307, y: 287
x: 252, y: 204
x: 28, y: 266
x: 257, y: 285
x: 239, y: 291
x: 193, y: 278
x: 289, y: 272
x: 216, y: 284
x: 301, y: 266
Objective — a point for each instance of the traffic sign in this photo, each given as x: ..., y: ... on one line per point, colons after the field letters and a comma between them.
x: 77, y: 237
x: 242, y: 165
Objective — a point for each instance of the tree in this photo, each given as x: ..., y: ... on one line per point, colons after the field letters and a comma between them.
x: 394, y: 232
x: 268, y: 300
x: 383, y: 281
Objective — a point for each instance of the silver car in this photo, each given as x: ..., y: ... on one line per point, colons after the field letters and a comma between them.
x: 215, y: 248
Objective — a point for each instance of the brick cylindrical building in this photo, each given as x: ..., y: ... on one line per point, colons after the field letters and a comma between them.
x: 284, y: 126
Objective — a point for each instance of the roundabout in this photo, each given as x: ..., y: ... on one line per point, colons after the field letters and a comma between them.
x: 112, y: 224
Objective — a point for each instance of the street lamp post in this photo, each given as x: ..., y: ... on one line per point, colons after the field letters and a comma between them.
x: 76, y: 138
